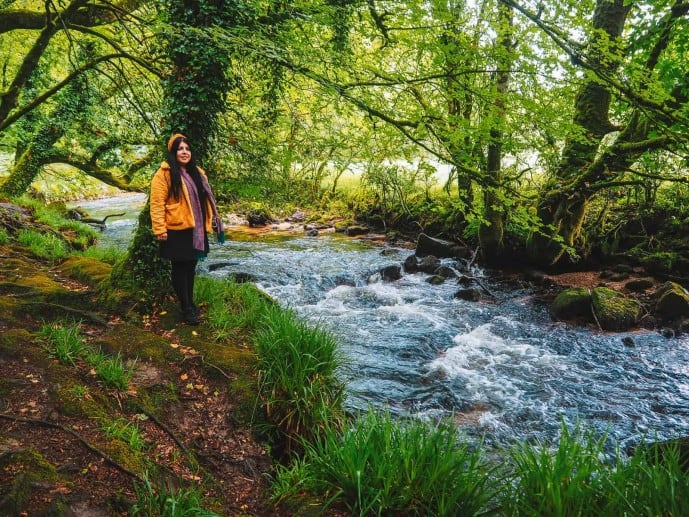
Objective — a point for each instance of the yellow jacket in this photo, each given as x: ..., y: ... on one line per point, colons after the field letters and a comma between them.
x: 168, y: 213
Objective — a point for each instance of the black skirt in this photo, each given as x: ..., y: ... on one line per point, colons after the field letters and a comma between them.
x: 179, y: 245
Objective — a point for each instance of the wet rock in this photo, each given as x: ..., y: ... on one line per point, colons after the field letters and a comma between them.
x: 613, y: 310
x: 667, y: 332
x: 426, y: 245
x: 311, y: 233
x: 628, y: 341
x: 446, y: 272
x: 429, y: 264
x: 257, y: 219
x: 572, y: 304
x: 672, y: 302
x: 242, y: 278
x: 464, y: 280
x: 391, y: 273
x: 355, y: 230
x: 411, y: 264
x: 471, y: 294
x: 435, y: 279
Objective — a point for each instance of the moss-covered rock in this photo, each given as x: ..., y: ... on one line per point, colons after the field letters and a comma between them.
x: 85, y: 269
x: 672, y: 302
x: 572, y: 304
x: 613, y: 310
x: 31, y: 472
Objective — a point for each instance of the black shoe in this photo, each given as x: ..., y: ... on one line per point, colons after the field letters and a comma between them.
x: 191, y: 316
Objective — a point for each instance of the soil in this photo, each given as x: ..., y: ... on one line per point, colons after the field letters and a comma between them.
x: 56, y: 457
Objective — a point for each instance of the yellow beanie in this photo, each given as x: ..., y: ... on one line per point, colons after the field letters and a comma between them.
x: 172, y: 140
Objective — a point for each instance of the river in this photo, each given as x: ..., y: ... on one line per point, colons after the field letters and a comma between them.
x: 501, y: 368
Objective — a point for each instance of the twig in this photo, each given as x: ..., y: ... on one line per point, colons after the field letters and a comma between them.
x: 473, y: 257
x: 166, y: 429
x: 484, y: 288
x: 90, y: 447
x: 203, y: 360
x: 595, y: 317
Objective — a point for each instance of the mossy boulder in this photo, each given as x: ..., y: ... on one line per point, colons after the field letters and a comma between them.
x: 85, y: 269
x: 672, y: 302
x: 613, y: 310
x: 32, y: 474
x: 572, y: 304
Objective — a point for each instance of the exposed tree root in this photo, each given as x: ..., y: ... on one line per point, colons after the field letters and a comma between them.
x: 45, y: 423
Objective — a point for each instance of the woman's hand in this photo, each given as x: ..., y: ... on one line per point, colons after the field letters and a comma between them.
x: 162, y: 236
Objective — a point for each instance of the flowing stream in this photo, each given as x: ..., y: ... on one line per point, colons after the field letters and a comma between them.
x: 500, y: 367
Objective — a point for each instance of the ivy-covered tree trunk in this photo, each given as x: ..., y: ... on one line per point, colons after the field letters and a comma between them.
x: 44, y: 132
x: 491, y: 232
x: 562, y: 206
x: 194, y: 94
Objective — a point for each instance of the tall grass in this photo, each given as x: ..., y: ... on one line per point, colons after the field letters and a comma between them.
x: 44, y: 245
x: 652, y: 482
x: 165, y: 501
x: 231, y: 307
x: 576, y: 478
x: 561, y: 481
x: 385, y: 467
x: 109, y: 255
x: 63, y: 342
x: 299, y: 382
x: 125, y: 431
x: 113, y: 371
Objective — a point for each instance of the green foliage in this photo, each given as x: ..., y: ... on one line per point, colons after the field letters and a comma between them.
x: 232, y: 307
x: 651, y: 482
x: 63, y: 342
x: 126, y: 431
x: 43, y: 245
x: 4, y: 236
x: 114, y: 372
x: 382, y: 466
x: 165, y: 501
x: 110, y: 255
x: 567, y: 480
x: 298, y: 378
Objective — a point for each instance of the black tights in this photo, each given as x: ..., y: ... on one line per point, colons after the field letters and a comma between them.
x: 183, y: 273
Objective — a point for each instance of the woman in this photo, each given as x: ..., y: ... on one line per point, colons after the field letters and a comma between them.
x: 183, y: 212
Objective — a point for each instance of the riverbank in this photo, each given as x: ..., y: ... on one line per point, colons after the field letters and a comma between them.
x: 72, y: 444
x: 182, y: 426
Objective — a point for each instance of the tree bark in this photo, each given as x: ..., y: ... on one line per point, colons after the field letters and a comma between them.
x: 563, y: 205
x: 491, y: 232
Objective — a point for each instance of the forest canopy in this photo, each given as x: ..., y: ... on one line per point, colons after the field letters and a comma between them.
x: 515, y: 123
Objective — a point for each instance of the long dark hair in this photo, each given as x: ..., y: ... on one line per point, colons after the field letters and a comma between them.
x: 176, y: 171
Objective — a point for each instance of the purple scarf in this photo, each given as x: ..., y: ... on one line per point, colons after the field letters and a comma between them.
x: 199, y: 231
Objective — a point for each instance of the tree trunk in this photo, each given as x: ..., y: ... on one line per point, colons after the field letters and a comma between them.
x: 46, y: 131
x: 563, y: 205
x: 491, y: 232
x: 193, y: 98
